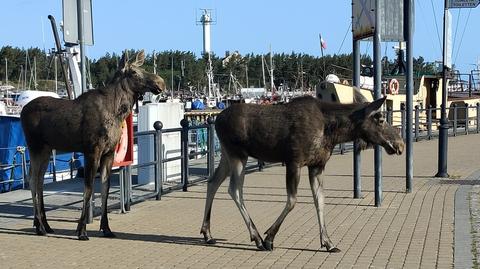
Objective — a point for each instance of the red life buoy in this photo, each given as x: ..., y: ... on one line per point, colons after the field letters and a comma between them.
x: 393, y: 86
x: 122, y: 146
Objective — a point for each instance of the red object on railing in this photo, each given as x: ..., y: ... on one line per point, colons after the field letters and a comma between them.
x: 119, y: 149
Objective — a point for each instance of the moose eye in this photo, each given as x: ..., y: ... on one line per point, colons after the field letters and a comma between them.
x: 379, y: 118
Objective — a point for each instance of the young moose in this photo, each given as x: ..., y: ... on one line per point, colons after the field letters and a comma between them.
x: 300, y: 133
x: 90, y: 124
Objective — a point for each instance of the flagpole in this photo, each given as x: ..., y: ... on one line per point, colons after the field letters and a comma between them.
x: 323, y: 58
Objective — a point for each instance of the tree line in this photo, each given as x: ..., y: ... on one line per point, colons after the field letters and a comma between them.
x: 34, y: 68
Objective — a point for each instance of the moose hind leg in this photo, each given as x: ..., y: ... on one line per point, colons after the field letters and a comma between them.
x: 105, y: 169
x: 316, y: 184
x: 236, y: 192
x: 214, y: 182
x: 38, y: 167
x: 292, y: 180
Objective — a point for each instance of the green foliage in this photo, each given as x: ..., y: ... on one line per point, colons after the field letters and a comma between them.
x: 189, y: 71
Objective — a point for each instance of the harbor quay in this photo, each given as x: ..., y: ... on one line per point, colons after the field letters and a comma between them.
x: 434, y: 226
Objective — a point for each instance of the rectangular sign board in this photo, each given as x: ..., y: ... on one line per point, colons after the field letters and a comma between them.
x: 363, y: 18
x: 463, y: 3
x: 70, y: 22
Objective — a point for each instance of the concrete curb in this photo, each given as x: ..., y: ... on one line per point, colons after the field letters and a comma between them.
x: 463, y: 257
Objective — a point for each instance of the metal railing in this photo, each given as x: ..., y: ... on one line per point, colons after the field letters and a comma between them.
x: 129, y: 193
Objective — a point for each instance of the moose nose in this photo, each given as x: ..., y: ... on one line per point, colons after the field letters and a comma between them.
x: 399, y: 145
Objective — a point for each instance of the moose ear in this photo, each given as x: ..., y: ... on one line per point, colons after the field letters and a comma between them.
x: 374, y: 107
x: 123, y: 62
x: 358, y: 96
x: 140, y: 59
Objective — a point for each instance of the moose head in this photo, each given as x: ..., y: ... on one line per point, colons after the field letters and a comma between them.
x: 371, y: 127
x: 136, y: 78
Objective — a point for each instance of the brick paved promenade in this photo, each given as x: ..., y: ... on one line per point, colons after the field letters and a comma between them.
x: 413, y: 230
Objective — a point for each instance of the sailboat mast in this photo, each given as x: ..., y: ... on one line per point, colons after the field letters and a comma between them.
x: 6, y: 71
x: 271, y: 72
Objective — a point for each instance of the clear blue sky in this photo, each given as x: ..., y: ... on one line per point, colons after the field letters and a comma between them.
x: 246, y: 26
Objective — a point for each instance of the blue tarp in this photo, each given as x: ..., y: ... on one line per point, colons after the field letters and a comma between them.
x: 11, y: 136
x: 198, y: 105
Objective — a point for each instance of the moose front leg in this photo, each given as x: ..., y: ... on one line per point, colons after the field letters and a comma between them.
x: 105, y: 169
x: 316, y: 184
x: 91, y: 166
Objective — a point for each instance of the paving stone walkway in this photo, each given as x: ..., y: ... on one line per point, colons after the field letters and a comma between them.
x: 414, y: 230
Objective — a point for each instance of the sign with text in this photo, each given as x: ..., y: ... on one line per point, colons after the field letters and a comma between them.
x: 463, y: 3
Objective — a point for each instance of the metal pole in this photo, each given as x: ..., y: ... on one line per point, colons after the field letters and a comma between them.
x: 377, y: 59
x: 478, y: 118
x: 466, y: 119
x: 408, y: 17
x: 357, y: 180
x: 417, y: 122
x: 185, y: 154
x: 59, y: 52
x: 127, y: 177
x: 429, y: 122
x: 81, y: 42
x: 122, y: 191
x: 211, y: 146
x: 443, y: 135
x: 158, y: 125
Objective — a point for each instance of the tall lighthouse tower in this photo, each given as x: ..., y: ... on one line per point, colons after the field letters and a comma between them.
x: 206, y: 20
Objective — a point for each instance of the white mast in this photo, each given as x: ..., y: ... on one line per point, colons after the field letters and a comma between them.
x: 272, y: 87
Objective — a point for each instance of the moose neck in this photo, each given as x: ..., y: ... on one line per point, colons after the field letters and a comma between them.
x: 123, y: 98
x: 338, y: 125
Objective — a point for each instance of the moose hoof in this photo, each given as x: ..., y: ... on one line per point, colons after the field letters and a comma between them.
x: 40, y: 231
x: 211, y: 241
x: 49, y: 230
x: 109, y: 234
x: 334, y: 250
x: 268, y: 245
x: 83, y: 237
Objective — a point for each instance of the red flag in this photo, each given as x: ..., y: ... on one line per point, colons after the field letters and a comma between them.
x: 323, y: 43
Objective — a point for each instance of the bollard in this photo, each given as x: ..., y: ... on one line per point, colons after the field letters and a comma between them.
x: 402, y: 114
x: 158, y: 126
x: 429, y: 122
x: 417, y: 123
x: 466, y: 119
x: 454, y: 119
x: 342, y: 148
x: 478, y: 118
x: 211, y: 146
x: 185, y: 154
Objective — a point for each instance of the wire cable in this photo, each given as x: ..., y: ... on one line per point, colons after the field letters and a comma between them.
x: 344, y: 37
x: 463, y: 33
x: 436, y: 24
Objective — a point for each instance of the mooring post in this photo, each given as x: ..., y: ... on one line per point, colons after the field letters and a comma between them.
x: 158, y: 125
x: 185, y: 154
x: 211, y: 146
